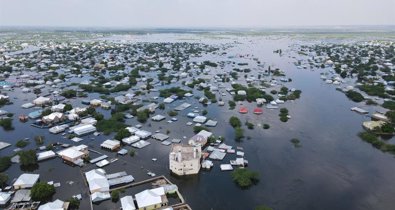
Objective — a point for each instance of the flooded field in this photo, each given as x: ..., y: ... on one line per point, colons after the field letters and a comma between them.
x: 332, y: 168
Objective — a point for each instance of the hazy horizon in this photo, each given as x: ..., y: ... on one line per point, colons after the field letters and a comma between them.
x: 195, y: 13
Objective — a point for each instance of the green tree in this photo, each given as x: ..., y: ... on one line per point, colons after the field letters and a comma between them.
x: 245, y: 178
x: 161, y: 106
x: 115, y: 195
x: 42, y: 191
x: 5, y: 163
x: 239, y: 134
x: 3, y: 179
x: 234, y: 122
x: 28, y: 157
x: 74, y: 203
x: 6, y: 124
x: 142, y: 116
x: 121, y: 134
x: 67, y: 107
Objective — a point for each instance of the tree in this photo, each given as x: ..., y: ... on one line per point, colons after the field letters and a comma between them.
x: 244, y: 178
x: 197, y: 129
x: 239, y: 134
x: 6, y: 124
x: 232, y: 104
x: 21, y: 143
x: 3, y: 179
x: 234, y: 122
x: 161, y: 106
x: 132, y: 152
x: 387, y: 128
x: 354, y: 96
x: 142, y: 116
x: 5, y: 163
x: 123, y: 133
x: 67, y: 107
x: 74, y: 203
x: 115, y: 195
x: 42, y: 191
x: 28, y: 157
x: 172, y: 113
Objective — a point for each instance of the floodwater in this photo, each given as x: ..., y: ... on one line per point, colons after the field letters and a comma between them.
x: 333, y: 168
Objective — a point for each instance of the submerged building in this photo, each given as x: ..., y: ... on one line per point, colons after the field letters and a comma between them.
x: 185, y: 159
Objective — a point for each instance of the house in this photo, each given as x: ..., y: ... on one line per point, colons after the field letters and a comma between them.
x: 100, y: 196
x: 55, y: 205
x: 200, y: 138
x: 41, y: 101
x: 5, y: 197
x: 58, y: 108
x: 54, y: 117
x: 75, y: 154
x: 143, y: 134
x: 95, y: 102
x: 127, y: 203
x: 200, y: 119
x: 97, y: 181
x: 45, y: 155
x: 111, y: 144
x: 241, y: 92
x: 131, y: 139
x: 260, y: 101
x: 185, y: 159
x: 151, y: 199
x: 158, y: 117
x: 26, y: 181
x: 3, y: 97
x: 83, y: 129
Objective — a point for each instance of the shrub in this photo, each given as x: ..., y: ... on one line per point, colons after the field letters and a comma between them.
x: 354, y: 96
x: 115, y: 196
x: 42, y: 191
x: 234, y: 122
x: 6, y: 124
x: 5, y: 163
x: 245, y: 178
x: 27, y: 158
x: 239, y: 134
x: 21, y: 143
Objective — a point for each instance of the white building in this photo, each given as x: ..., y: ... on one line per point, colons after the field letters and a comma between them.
x: 151, y: 199
x: 26, y: 181
x: 83, y: 129
x: 4, y: 198
x: 111, y: 144
x: 127, y: 203
x: 41, y: 101
x: 97, y: 181
x: 185, y: 159
x: 75, y: 154
x: 55, y: 205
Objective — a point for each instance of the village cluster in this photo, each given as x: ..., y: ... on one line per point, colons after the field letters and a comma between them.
x: 126, y: 94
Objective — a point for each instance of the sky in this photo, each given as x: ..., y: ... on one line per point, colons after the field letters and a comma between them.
x: 195, y: 13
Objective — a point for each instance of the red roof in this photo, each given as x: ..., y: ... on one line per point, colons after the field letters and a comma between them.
x: 243, y: 110
x: 258, y: 111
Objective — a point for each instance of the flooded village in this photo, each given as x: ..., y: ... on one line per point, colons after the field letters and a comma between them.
x: 196, y: 120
